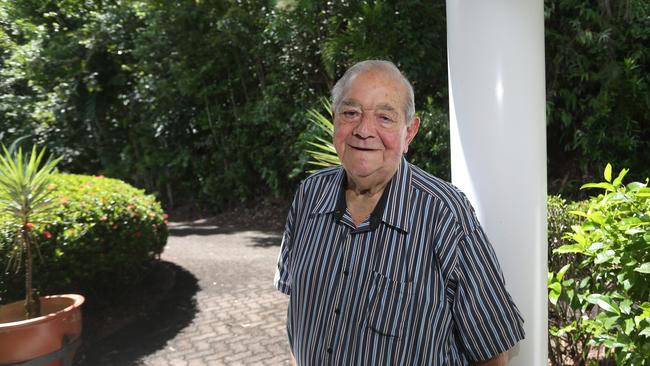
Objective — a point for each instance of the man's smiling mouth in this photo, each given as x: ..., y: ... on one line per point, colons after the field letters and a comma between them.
x: 362, y: 148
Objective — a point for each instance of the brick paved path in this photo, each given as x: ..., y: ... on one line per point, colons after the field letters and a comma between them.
x: 241, y: 318
x: 223, y: 309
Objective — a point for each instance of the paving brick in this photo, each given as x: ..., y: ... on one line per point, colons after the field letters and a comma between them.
x: 240, y: 317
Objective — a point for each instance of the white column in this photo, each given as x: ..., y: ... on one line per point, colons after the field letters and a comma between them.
x: 498, y: 144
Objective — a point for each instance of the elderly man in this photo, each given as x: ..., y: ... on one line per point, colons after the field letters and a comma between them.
x: 385, y: 264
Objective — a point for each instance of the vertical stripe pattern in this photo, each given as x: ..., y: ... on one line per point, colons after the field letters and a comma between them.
x: 417, y: 283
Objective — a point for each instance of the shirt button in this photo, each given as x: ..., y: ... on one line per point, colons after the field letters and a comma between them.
x: 345, y: 273
x: 337, y: 310
x: 329, y: 350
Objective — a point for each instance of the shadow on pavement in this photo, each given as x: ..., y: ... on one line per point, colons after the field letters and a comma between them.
x: 168, y: 314
x: 201, y: 230
x: 267, y: 241
x: 207, y: 230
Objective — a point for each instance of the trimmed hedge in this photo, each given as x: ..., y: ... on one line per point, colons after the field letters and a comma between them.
x: 103, y: 235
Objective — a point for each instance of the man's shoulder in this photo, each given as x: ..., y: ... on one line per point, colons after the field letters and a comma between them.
x: 323, y: 180
x: 432, y: 185
x: 324, y: 173
x: 446, y: 193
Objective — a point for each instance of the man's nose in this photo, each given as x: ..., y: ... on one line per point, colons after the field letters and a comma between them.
x: 364, y: 128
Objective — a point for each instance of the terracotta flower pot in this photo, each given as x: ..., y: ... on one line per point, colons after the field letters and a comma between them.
x: 23, y: 340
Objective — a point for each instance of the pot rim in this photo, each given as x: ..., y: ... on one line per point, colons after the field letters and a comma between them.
x: 78, y: 300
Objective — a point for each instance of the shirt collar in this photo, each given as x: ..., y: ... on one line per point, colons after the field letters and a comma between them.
x: 397, y: 208
x: 392, y: 208
x: 327, y: 202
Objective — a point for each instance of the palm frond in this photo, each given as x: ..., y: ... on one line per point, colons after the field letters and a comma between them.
x: 324, y: 147
x: 325, y: 154
x: 24, y: 181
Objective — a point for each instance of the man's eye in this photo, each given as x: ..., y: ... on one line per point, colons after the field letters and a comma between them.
x: 385, y: 118
x: 350, y: 114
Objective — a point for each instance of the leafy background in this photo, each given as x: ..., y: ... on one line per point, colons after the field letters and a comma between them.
x: 202, y: 102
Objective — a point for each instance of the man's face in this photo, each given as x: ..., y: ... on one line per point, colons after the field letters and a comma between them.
x: 370, y: 129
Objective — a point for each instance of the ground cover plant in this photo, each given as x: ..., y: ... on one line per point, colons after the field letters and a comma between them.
x: 101, y: 236
x: 600, y: 298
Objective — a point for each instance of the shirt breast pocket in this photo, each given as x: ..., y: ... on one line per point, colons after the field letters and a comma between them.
x: 387, y: 307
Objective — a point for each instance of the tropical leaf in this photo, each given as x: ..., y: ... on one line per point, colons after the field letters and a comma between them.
x: 324, y: 154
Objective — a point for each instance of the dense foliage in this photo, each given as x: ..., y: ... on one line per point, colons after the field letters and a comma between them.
x: 195, y: 100
x: 600, y: 298
x: 597, y: 87
x: 102, y: 235
x: 205, y: 101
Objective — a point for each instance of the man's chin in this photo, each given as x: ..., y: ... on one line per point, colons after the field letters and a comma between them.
x: 361, y: 171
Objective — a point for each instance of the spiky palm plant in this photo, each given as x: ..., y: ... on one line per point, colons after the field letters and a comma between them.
x: 25, y: 196
x: 325, y: 153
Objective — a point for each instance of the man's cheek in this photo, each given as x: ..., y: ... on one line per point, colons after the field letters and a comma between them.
x: 339, y: 137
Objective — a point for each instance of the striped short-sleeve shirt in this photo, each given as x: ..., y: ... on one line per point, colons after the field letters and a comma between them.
x: 417, y: 283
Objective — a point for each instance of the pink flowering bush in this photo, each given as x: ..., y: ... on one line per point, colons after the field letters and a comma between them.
x: 102, y: 235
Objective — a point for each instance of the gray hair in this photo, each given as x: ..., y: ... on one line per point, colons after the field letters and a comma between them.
x: 340, y: 88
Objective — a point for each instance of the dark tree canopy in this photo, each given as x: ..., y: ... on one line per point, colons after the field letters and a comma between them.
x: 203, y: 101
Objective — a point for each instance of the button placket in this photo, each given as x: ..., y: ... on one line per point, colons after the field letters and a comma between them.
x: 340, y: 286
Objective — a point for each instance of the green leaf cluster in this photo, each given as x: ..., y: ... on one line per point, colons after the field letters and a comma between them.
x: 101, y: 235
x: 321, y: 148
x: 24, y: 185
x: 597, y: 88
x: 601, y: 299
x: 202, y: 102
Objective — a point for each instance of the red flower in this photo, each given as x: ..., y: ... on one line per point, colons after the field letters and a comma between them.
x: 165, y: 222
x: 47, y: 234
x: 28, y: 226
x: 165, y: 216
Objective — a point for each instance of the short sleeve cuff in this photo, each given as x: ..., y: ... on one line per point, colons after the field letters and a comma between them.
x: 283, y: 287
x: 505, y: 345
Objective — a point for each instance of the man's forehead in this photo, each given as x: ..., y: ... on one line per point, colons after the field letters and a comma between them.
x: 351, y: 102
x: 384, y: 78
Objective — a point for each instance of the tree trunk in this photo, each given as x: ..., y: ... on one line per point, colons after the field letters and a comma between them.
x: 31, y: 304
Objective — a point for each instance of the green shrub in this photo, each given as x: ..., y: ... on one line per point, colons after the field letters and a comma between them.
x: 429, y: 149
x: 603, y: 292
x: 560, y: 220
x: 103, y: 235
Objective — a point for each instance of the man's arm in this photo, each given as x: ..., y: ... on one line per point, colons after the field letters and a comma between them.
x: 500, y: 360
x: 293, y: 359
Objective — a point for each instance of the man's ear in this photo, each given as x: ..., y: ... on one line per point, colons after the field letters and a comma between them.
x: 411, y: 131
